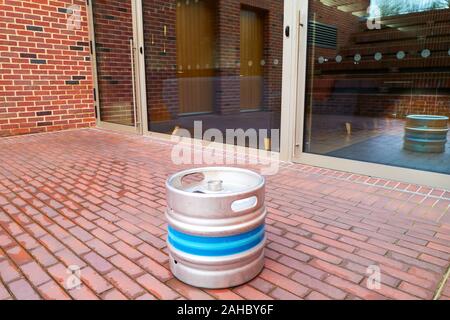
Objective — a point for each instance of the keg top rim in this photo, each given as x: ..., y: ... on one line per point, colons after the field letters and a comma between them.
x: 426, y: 117
x: 230, y: 188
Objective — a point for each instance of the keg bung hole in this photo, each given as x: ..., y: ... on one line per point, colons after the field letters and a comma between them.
x: 244, y: 204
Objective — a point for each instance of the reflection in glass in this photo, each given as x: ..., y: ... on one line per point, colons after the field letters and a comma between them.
x: 388, y: 100
x: 396, y: 7
x: 218, y: 62
x: 113, y: 29
x: 401, y: 55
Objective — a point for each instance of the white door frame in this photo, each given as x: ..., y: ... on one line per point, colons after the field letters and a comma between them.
x: 293, y: 116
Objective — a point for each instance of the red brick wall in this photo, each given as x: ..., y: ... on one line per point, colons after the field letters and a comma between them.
x: 274, y: 53
x: 45, y: 68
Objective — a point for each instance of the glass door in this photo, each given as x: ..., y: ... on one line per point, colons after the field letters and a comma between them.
x: 213, y: 62
x: 114, y: 51
x: 377, y: 84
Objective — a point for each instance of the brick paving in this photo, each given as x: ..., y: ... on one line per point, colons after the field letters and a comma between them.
x: 446, y: 292
x: 95, y: 199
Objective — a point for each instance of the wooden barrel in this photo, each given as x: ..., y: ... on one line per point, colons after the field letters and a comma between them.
x: 426, y: 133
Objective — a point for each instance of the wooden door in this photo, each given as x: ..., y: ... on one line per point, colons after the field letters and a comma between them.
x: 195, y: 55
x: 252, y: 63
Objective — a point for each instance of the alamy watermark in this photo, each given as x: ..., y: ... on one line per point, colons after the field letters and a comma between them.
x: 214, y: 147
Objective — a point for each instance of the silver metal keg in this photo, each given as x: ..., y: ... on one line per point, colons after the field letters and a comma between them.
x: 216, y: 233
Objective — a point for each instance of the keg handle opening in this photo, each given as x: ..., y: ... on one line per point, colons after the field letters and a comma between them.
x: 244, y: 204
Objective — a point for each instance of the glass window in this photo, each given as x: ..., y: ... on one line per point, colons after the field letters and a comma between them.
x: 378, y: 82
x: 113, y: 27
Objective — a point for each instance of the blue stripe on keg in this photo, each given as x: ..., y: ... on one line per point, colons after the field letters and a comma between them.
x: 215, y: 246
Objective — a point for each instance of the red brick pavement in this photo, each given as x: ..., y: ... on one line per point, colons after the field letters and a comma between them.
x: 95, y: 199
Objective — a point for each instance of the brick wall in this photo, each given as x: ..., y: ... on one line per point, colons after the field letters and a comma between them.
x: 228, y: 93
x: 45, y: 68
x: 383, y: 105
